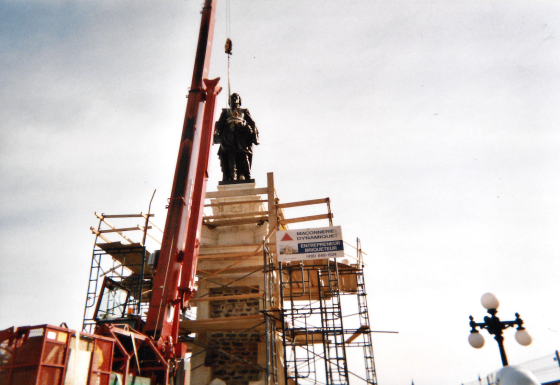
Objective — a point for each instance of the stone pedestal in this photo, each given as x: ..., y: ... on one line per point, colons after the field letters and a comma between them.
x: 221, y: 247
x: 237, y: 234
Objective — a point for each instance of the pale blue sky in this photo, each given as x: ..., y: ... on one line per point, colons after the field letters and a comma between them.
x: 432, y: 126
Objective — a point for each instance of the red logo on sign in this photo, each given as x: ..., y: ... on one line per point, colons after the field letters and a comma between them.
x: 286, y: 238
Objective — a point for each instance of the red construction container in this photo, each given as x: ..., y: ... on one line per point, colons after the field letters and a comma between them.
x: 34, y: 355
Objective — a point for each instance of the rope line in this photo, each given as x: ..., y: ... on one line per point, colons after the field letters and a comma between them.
x: 228, y: 51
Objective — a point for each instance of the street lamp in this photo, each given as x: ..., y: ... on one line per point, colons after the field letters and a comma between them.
x: 496, y: 327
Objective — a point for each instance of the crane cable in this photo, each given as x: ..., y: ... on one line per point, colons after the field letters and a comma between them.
x: 228, y: 48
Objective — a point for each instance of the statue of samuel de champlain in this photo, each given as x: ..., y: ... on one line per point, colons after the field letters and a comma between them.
x: 236, y: 133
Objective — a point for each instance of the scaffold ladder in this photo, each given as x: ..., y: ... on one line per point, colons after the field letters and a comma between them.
x: 332, y: 326
x: 371, y: 375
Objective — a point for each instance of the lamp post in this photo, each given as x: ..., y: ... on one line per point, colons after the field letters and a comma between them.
x: 496, y: 327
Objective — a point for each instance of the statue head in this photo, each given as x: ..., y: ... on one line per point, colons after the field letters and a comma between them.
x: 235, y: 100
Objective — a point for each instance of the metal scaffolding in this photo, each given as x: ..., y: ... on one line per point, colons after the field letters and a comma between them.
x: 120, y: 279
x: 300, y: 321
x: 321, y: 329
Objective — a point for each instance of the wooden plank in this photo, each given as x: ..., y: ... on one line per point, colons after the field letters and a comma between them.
x: 239, y: 215
x: 131, y: 255
x: 123, y: 229
x: 206, y: 246
x: 313, y: 292
x: 312, y: 297
x: 234, y: 222
x: 100, y: 216
x: 127, y: 216
x: 96, y: 232
x: 235, y: 203
x: 226, y: 297
x: 224, y: 324
x: 311, y: 337
x: 305, y: 219
x: 272, y: 212
x: 236, y: 193
x: 235, y: 270
x: 118, y: 247
x: 303, y: 203
x: 232, y: 319
x: 303, y: 295
x: 360, y: 331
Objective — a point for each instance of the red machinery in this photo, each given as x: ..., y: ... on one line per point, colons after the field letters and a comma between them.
x: 40, y: 354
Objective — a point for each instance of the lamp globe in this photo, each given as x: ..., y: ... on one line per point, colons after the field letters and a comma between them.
x: 522, y: 337
x: 476, y: 340
x: 489, y: 301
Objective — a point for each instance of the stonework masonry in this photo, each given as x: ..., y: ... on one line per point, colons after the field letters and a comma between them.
x: 245, y: 345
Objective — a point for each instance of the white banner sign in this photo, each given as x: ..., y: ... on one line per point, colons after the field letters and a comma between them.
x: 306, y: 244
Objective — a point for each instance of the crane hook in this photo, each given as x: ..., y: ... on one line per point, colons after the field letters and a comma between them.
x: 228, y: 46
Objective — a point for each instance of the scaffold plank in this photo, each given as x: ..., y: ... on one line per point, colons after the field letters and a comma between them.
x: 236, y: 193
x: 234, y: 203
x: 233, y: 270
x: 124, y: 229
x: 309, y: 337
x: 256, y: 321
x: 303, y: 203
x: 235, y: 222
x: 358, y: 332
x: 226, y: 297
x: 127, y: 215
x: 305, y: 219
x: 237, y: 215
x: 207, y: 246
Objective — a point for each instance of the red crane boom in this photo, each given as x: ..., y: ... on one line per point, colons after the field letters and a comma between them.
x: 173, y: 283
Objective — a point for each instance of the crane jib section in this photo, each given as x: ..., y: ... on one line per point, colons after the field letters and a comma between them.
x: 173, y: 283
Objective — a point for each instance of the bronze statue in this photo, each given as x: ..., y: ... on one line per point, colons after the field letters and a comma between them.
x: 236, y: 133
